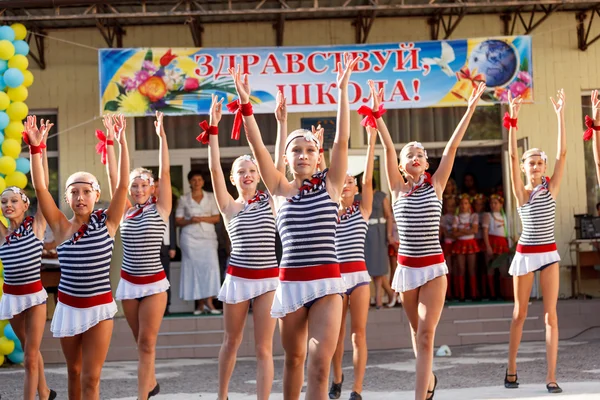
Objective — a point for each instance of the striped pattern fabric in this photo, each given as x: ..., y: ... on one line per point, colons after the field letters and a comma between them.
x: 418, y: 218
x: 21, y: 255
x: 537, y: 217
x: 252, y: 235
x: 142, y: 236
x: 85, y: 259
x: 351, y: 235
x: 307, y: 224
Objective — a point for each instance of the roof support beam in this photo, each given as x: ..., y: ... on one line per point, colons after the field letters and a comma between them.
x: 445, y: 23
x: 39, y: 56
x: 530, y: 24
x: 362, y: 26
x: 279, y: 26
x: 196, y: 29
x: 110, y: 29
x: 583, y: 34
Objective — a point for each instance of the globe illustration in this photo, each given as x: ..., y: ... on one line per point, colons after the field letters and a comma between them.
x: 496, y: 60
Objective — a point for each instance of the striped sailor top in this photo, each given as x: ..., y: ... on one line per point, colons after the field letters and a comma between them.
x: 21, y: 255
x: 142, y: 232
x: 351, y: 235
x: 418, y: 215
x: 538, y: 216
x: 307, y: 224
x: 252, y: 235
x: 85, y: 264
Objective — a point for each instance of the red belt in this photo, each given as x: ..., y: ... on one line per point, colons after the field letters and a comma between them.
x: 310, y: 273
x: 352, y: 266
x: 85, y: 302
x: 542, y: 248
x: 420, y: 262
x: 251, y: 273
x: 20, y: 290
x: 143, y: 280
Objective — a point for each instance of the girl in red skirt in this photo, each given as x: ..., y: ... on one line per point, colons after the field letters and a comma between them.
x: 466, y: 225
x: 495, y: 238
x: 448, y: 240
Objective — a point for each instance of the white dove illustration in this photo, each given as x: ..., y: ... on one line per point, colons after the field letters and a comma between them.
x: 444, y: 60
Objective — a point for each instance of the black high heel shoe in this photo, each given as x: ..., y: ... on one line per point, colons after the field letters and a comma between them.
x: 154, y: 391
x: 553, y: 388
x: 52, y: 395
x: 335, y: 391
x: 511, y: 384
x: 432, y: 391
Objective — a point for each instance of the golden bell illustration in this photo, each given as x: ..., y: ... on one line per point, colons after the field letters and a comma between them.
x: 463, y: 89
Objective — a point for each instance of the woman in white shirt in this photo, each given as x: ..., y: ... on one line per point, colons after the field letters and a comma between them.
x: 197, y: 213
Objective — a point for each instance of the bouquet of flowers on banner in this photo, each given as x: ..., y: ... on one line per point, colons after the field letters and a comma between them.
x: 168, y: 88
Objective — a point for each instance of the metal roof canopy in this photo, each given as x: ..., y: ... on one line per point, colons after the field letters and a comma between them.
x: 112, y: 16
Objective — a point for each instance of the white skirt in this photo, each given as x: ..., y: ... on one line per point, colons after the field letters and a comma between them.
x: 352, y: 279
x: 236, y: 289
x: 129, y: 291
x: 200, y: 275
x: 524, y: 263
x: 291, y: 295
x: 71, y: 321
x: 407, y: 278
x: 11, y: 305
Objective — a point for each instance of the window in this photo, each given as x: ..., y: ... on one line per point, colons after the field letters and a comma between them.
x: 182, y: 131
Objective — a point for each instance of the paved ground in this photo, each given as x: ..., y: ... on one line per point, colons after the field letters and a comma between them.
x: 472, y: 372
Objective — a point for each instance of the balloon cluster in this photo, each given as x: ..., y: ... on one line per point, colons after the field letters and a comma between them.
x: 15, y: 78
x: 10, y: 346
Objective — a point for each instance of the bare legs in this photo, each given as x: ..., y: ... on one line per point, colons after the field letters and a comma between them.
x: 382, y: 283
x: 29, y: 328
x: 423, y: 307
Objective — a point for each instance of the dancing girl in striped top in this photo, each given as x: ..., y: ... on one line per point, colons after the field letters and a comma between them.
x: 83, y: 316
x: 350, y: 249
x: 308, y: 299
x: 421, y: 274
x: 252, y: 271
x: 143, y: 285
x: 536, y: 249
x: 24, y: 299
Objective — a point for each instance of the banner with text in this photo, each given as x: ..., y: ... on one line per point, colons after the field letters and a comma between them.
x: 413, y: 75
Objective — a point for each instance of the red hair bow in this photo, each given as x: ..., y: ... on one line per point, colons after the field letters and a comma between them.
x: 32, y: 149
x: 371, y: 116
x: 589, y: 132
x: 239, y: 110
x: 206, y: 130
x: 509, y: 122
x: 101, y: 145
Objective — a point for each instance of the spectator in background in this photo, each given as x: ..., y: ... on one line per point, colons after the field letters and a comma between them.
x: 168, y: 249
x: 470, y: 185
x: 598, y: 209
x: 197, y: 214
x: 376, y: 248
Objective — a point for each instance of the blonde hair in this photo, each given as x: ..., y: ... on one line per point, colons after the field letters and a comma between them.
x: 81, y: 176
x: 241, y: 158
x: 139, y: 173
x: 532, y: 152
x: 418, y: 145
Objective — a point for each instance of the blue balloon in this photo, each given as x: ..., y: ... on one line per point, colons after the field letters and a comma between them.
x: 10, y: 333
x: 21, y: 47
x: 4, y: 120
x: 1, y: 138
x: 2, y: 84
x: 18, y: 346
x: 13, y: 78
x: 7, y: 33
x: 23, y: 165
x: 16, y: 357
x: 3, y: 66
